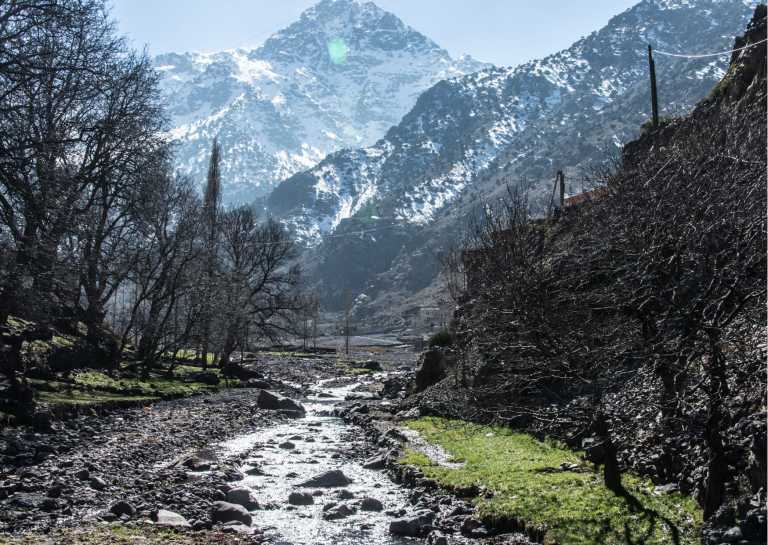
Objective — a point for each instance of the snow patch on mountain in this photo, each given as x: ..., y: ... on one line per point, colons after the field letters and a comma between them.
x: 280, y: 108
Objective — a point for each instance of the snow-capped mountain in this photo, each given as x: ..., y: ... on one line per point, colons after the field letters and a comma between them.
x: 467, y: 135
x: 339, y: 77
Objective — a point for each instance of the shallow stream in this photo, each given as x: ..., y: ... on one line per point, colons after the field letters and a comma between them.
x: 320, y: 443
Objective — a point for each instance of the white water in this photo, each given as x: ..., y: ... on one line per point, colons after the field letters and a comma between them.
x: 321, y: 445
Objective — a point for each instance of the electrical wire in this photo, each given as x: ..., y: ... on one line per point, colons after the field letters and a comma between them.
x: 703, y: 55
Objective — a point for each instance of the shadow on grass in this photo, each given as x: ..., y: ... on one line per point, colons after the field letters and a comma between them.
x: 651, y: 518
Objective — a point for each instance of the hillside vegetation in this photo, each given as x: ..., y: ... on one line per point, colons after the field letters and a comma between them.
x: 633, y: 326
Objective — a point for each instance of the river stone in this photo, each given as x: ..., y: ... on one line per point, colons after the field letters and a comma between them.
x: 244, y: 497
x: 224, y: 512
x: 123, y: 508
x: 338, y: 512
x: 436, y: 537
x: 97, y: 483
x: 301, y: 498
x: 170, y: 519
x: 732, y: 535
x: 375, y: 462
x: 371, y: 504
x: 329, y: 479
x: 275, y: 402
x: 346, y: 494
x: 412, y: 526
x: 196, y: 464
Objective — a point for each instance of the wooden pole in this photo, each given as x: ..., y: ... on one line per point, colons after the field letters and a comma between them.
x: 654, y: 95
x: 561, y: 179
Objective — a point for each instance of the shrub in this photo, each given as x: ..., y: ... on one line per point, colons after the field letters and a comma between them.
x: 441, y: 338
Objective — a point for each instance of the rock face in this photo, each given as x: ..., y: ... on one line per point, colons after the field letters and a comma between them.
x: 224, y: 512
x: 275, y: 402
x: 338, y: 77
x: 329, y: 479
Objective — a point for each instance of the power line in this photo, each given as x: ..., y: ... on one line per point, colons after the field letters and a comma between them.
x: 703, y: 55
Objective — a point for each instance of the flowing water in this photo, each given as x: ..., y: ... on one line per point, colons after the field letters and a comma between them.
x: 321, y: 443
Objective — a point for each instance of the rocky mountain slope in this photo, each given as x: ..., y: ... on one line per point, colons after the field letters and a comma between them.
x: 338, y: 77
x: 667, y: 265
x: 466, y: 136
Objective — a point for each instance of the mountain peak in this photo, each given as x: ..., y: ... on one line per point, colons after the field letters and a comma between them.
x: 337, y: 31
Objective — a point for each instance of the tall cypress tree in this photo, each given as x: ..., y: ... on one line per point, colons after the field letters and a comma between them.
x: 211, y: 212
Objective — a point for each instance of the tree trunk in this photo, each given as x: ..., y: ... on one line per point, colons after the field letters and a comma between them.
x: 230, y: 343
x: 716, y: 422
x: 611, y: 471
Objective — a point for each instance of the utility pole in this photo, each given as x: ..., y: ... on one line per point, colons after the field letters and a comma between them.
x: 561, y: 179
x: 654, y: 95
x: 347, y: 312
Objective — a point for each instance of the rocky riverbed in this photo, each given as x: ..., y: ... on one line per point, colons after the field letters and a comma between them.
x: 318, y: 473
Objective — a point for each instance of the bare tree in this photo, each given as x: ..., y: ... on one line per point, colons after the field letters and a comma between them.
x: 259, y: 282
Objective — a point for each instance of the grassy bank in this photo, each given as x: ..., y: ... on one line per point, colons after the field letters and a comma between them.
x: 96, y: 387
x: 530, y: 484
x: 144, y: 534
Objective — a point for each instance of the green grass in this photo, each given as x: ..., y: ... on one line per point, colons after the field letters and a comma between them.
x: 190, y: 355
x: 82, y: 397
x: 153, y: 386
x: 528, y: 485
x: 117, y: 534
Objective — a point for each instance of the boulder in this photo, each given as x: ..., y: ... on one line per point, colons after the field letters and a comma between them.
x: 225, y: 512
x: 169, y: 519
x: 275, y: 402
x: 287, y: 445
x: 301, y: 498
x: 371, y: 504
x: 432, y: 369
x: 123, y: 508
x: 242, y: 496
x: 329, y: 479
x: 416, y: 525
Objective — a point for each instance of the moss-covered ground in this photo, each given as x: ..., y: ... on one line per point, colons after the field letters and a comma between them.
x: 116, y: 534
x: 529, y: 484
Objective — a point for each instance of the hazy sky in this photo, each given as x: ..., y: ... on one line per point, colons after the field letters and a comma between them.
x: 504, y: 32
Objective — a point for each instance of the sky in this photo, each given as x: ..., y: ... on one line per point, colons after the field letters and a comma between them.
x: 504, y: 32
